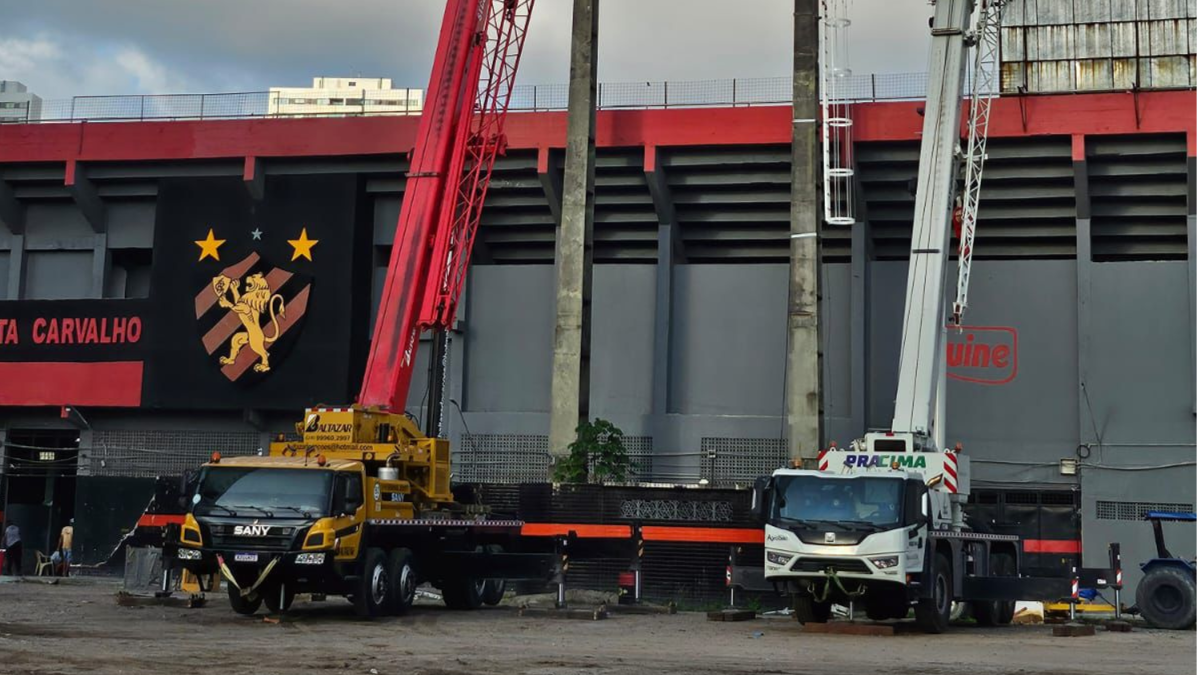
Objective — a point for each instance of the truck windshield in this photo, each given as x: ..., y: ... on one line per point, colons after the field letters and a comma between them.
x: 866, y: 501
x: 263, y: 492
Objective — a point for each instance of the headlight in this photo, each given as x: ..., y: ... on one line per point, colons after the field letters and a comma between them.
x: 189, y: 554
x: 778, y: 558
x: 314, y: 540
x: 310, y: 559
x: 887, y: 562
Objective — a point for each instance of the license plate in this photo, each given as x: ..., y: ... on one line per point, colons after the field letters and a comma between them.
x: 245, y: 557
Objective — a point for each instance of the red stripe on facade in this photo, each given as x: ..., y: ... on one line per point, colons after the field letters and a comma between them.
x: 1078, y: 148
x: 1053, y: 546
x: 111, y: 383
x: 1012, y: 116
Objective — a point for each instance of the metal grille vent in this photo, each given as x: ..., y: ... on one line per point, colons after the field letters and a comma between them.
x: 1138, y: 188
x: 146, y: 454
x: 502, y: 458
x: 740, y: 460
x: 674, y: 509
x: 1136, y: 510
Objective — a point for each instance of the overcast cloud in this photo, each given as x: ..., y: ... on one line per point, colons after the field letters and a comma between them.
x: 61, y: 48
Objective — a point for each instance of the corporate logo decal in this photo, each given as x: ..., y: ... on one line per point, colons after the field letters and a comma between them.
x: 982, y: 354
x: 870, y: 461
x: 245, y: 309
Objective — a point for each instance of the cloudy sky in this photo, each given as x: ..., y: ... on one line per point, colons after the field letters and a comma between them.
x: 61, y: 48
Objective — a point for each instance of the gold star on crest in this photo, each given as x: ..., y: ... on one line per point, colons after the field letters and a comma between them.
x: 209, y: 245
x: 302, y: 247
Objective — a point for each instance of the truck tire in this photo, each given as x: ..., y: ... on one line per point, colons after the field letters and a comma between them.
x: 1166, y: 597
x: 1004, y: 564
x: 808, y: 610
x: 403, y: 574
x: 493, y: 592
x: 276, y: 604
x: 371, y: 595
x: 933, y: 613
x: 463, y: 593
x: 246, y: 605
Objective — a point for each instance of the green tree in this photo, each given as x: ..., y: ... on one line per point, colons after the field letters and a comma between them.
x: 596, y: 455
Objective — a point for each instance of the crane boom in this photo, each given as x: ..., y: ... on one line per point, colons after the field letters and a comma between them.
x: 460, y: 134
x: 922, y: 347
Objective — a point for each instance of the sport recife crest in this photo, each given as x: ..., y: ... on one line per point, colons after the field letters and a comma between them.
x: 250, y: 309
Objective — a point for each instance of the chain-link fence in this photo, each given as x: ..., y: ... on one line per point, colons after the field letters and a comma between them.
x: 525, y: 98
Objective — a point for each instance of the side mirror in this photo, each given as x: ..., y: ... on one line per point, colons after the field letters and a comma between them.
x: 761, y: 497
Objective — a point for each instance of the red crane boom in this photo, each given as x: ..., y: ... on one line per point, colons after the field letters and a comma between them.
x: 459, y: 136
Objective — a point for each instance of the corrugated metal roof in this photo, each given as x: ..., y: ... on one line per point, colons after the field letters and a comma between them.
x: 1093, y: 11
x: 1165, y: 38
x: 1171, y: 71
x: 1170, y: 9
x: 1094, y: 75
x: 1124, y: 39
x: 1093, y: 40
x: 1053, y: 12
x: 1053, y: 43
x: 1125, y: 10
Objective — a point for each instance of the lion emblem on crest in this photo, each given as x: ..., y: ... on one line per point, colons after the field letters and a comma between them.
x: 249, y: 307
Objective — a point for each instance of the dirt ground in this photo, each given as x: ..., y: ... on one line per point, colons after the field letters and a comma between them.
x: 77, y: 628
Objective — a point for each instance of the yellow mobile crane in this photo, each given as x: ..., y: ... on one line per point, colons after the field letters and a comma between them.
x: 361, y: 505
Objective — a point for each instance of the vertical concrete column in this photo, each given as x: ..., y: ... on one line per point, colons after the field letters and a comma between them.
x: 1083, y: 280
x: 16, y: 267
x: 101, y: 264
x: 573, y: 259
x: 803, y: 391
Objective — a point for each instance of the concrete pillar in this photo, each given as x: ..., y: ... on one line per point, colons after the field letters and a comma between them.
x: 1083, y: 282
x: 101, y: 264
x: 16, y: 267
x: 803, y: 390
x: 573, y: 261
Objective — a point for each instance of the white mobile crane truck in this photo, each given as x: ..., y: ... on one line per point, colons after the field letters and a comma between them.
x: 882, y: 523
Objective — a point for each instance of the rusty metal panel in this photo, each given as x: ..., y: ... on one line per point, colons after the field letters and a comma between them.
x: 1093, y: 11
x: 1093, y: 40
x: 1170, y: 71
x: 1094, y: 75
x: 1054, y: 43
x: 1170, y: 9
x: 1191, y: 37
x: 1013, y: 14
x: 1124, y: 38
x: 1012, y: 77
x: 1054, y: 12
x: 1054, y: 76
x: 1123, y: 10
x: 1012, y: 44
x: 1124, y: 73
x: 1167, y: 38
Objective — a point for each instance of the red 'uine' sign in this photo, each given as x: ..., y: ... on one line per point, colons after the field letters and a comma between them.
x: 982, y: 354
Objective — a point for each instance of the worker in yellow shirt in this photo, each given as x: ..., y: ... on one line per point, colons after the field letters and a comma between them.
x: 65, y: 539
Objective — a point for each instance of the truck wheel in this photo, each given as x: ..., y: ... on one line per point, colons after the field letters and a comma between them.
x: 1005, y: 565
x: 246, y: 605
x: 463, y: 593
x: 933, y: 613
x: 403, y: 574
x: 1166, y: 597
x: 808, y: 610
x: 493, y: 592
x: 275, y: 603
x: 371, y: 595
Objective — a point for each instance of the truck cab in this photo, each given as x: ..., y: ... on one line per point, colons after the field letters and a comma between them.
x: 833, y: 538
x: 275, y: 526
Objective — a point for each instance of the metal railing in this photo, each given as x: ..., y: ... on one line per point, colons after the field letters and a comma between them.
x: 743, y: 92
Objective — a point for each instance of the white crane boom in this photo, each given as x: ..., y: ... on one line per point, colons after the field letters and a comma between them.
x: 922, y: 349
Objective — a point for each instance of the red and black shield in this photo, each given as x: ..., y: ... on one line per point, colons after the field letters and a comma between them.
x: 249, y: 316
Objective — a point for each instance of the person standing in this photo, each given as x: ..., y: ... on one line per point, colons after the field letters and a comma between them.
x: 65, y: 539
x: 12, y: 550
